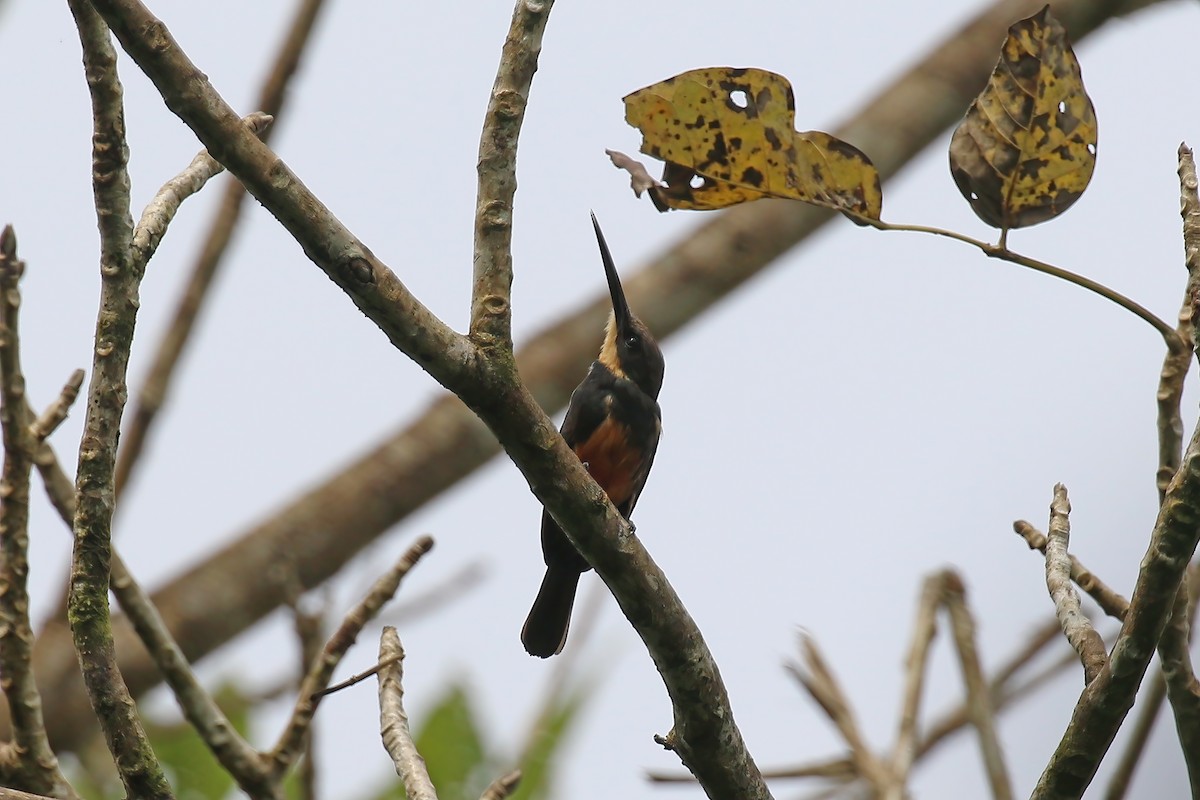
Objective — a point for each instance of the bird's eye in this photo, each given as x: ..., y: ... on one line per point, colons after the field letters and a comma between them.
x: 632, y: 342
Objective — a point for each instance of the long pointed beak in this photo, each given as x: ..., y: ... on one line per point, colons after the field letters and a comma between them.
x: 620, y: 308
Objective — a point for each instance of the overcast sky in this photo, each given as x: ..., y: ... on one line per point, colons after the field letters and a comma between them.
x: 870, y: 409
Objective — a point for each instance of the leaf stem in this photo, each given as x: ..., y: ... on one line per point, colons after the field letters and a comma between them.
x: 1000, y: 251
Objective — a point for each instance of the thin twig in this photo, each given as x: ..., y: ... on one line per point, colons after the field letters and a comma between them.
x: 292, y: 739
x: 978, y: 697
x: 234, y: 753
x: 393, y: 721
x: 1004, y: 254
x: 89, y: 615
x: 1110, y: 601
x: 836, y: 768
x: 502, y: 787
x: 56, y: 413
x: 924, y: 628
x: 157, y: 215
x: 1004, y: 688
x: 1003, y: 691
x: 309, y: 627
x: 818, y: 680
x: 36, y: 766
x: 1075, y: 625
x: 352, y: 680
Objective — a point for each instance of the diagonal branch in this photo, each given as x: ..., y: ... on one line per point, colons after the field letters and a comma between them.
x: 979, y: 703
x: 291, y: 741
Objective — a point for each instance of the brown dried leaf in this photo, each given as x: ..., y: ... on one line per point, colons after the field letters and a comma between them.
x: 728, y: 136
x: 1027, y: 147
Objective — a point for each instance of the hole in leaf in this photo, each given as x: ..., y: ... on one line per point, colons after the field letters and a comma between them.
x: 739, y: 98
x: 1092, y: 149
x: 974, y: 197
x: 1062, y: 106
x: 697, y: 182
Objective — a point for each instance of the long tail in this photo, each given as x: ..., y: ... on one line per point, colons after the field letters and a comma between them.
x: 545, y: 630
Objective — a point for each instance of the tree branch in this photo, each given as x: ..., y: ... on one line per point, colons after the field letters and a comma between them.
x: 1075, y: 625
x: 979, y: 703
x: 88, y: 609
x: 818, y: 681
x: 1107, y: 699
x: 291, y: 741
x: 491, y: 312
x: 1109, y: 600
x: 36, y: 766
x: 393, y: 721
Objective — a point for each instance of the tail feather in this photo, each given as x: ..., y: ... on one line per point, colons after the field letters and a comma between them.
x: 545, y: 630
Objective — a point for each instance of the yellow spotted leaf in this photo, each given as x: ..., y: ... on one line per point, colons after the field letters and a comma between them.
x: 1027, y: 147
x: 728, y: 136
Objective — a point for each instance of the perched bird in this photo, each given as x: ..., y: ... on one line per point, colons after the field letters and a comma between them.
x: 613, y: 424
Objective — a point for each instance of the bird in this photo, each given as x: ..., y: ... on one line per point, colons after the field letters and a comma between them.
x: 613, y: 424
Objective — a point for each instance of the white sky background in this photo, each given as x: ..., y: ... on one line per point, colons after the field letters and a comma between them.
x: 870, y: 409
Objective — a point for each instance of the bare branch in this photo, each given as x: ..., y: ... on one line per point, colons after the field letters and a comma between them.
x: 1003, y: 690
x: 1110, y: 601
x: 502, y: 787
x: 491, y: 313
x: 310, y: 631
x: 56, y: 413
x: 978, y: 697
x: 1075, y: 625
x: 161, y: 210
x: 1189, y: 209
x: 36, y: 766
x: 91, y: 629
x: 821, y: 685
x: 1153, y: 695
x: 356, y: 678
x: 924, y: 627
x: 291, y: 741
x: 1107, y: 699
x: 1183, y: 690
x: 233, y: 752
x: 393, y: 721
